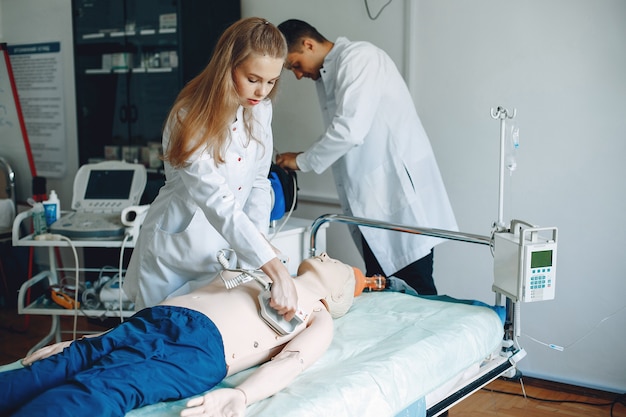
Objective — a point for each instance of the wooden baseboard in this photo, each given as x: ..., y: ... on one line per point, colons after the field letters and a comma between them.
x: 568, y: 388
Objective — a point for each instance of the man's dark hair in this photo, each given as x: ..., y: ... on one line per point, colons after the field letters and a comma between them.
x: 295, y: 29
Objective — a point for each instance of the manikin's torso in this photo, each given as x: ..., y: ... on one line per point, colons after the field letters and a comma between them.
x: 248, y: 340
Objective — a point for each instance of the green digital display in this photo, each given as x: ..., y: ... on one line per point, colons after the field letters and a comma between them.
x: 541, y: 259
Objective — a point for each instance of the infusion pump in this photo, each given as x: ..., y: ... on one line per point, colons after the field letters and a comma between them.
x: 525, y: 262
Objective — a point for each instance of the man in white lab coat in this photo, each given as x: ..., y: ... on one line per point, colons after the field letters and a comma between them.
x: 382, y: 161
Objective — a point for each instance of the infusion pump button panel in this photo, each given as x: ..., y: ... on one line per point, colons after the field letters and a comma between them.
x: 540, y: 279
x: 538, y: 273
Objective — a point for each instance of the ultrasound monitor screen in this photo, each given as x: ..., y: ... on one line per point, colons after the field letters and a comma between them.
x: 109, y: 185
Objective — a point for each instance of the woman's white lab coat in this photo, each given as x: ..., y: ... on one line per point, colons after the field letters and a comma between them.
x: 382, y: 160
x: 201, y: 209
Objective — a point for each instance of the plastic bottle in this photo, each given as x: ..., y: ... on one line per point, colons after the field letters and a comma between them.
x: 52, y: 207
x: 512, y: 144
x: 39, y: 219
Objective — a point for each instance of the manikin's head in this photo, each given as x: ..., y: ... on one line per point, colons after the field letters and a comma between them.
x: 336, y: 278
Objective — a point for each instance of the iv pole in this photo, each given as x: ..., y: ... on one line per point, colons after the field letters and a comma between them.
x: 503, y: 114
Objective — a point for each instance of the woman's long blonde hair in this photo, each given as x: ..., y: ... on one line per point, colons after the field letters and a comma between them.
x: 206, y: 107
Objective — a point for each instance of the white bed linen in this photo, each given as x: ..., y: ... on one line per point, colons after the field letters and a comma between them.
x: 389, y: 352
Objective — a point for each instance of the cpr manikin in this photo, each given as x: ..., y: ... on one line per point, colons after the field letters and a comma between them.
x: 197, y: 342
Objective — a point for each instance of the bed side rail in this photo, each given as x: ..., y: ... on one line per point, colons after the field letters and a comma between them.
x: 359, y: 221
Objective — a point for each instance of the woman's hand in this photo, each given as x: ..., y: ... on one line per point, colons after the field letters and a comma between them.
x: 45, y: 352
x: 284, y: 296
x: 225, y: 402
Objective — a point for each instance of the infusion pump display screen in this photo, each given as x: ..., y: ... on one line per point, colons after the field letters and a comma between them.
x: 541, y: 259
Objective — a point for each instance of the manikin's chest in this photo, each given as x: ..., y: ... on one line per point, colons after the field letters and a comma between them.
x: 248, y: 340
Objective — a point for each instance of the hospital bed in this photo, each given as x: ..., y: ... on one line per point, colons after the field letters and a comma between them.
x: 393, y: 354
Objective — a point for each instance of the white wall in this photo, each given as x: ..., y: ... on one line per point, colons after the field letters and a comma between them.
x: 561, y: 65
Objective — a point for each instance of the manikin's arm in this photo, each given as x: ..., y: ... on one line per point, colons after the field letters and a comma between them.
x: 297, y: 355
x: 50, y: 350
x: 45, y: 352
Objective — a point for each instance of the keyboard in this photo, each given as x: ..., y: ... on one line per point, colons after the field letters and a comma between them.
x: 81, y: 225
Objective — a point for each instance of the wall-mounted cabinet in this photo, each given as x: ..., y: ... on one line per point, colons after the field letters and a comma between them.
x: 132, y: 57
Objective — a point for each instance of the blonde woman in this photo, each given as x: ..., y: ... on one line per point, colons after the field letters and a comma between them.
x: 217, y: 153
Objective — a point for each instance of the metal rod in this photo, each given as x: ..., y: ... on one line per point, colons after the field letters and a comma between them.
x: 358, y: 221
x: 502, y: 114
x: 501, y: 173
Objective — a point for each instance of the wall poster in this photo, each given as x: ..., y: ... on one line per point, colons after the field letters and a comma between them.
x: 38, y: 76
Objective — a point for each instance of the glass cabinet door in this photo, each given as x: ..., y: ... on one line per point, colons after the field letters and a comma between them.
x: 127, y: 73
x: 131, y: 59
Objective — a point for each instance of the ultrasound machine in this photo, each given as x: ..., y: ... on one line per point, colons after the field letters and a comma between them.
x: 101, y: 193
